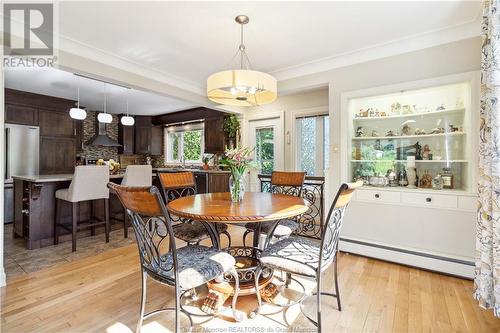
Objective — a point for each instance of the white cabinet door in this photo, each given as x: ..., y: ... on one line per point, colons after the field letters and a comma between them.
x: 266, y: 136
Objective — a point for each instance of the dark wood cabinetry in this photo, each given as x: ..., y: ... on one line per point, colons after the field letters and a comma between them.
x: 218, y: 182
x: 126, y: 137
x: 59, y: 134
x: 214, y: 135
x: 148, y: 137
x: 19, y: 114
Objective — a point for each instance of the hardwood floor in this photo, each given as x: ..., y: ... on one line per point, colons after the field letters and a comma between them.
x: 101, y: 294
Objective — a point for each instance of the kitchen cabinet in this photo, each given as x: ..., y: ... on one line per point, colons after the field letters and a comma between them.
x: 8, y: 203
x: 57, y: 155
x: 56, y: 123
x: 126, y: 137
x: 20, y: 114
x: 214, y: 134
x: 148, y: 138
x: 201, y: 182
x: 218, y: 182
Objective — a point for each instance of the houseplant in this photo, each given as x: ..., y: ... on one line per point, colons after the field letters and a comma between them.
x: 238, y: 161
x: 231, y: 126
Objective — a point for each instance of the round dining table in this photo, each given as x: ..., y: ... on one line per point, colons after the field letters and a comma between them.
x: 257, y: 207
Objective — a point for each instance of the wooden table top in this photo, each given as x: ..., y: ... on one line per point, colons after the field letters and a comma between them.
x: 255, y: 207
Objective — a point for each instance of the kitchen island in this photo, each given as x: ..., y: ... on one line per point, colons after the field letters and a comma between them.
x: 34, y: 203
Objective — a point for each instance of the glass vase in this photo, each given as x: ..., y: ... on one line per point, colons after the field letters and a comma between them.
x: 236, y: 187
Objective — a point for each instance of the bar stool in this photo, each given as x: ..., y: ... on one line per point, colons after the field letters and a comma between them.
x: 89, y: 183
x: 135, y: 175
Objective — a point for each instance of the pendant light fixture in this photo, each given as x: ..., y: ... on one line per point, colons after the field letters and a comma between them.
x: 242, y: 87
x: 104, y: 117
x: 127, y: 120
x: 77, y: 113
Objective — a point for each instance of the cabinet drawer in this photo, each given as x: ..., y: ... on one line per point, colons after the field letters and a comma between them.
x: 378, y: 196
x: 467, y: 203
x: 431, y: 200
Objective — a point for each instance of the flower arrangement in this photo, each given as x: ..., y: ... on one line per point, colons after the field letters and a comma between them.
x: 238, y: 160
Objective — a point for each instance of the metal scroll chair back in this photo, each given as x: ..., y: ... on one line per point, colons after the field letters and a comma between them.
x: 330, y: 232
x: 289, y: 183
x: 177, y: 184
x: 153, y: 230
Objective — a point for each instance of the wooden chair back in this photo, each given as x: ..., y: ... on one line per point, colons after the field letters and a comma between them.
x: 177, y: 184
x: 287, y: 182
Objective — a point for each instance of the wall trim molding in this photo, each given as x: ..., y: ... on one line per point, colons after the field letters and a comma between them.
x: 3, y: 279
x: 461, y: 267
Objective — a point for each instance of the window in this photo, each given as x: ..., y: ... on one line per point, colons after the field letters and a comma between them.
x: 184, y: 143
x: 313, y: 144
x: 264, y: 149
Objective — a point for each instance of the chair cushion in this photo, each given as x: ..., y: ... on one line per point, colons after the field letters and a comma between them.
x: 62, y: 194
x: 197, y: 265
x: 193, y: 232
x: 293, y: 254
x: 284, y: 228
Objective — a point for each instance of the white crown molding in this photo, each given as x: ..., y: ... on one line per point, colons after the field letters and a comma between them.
x: 86, y: 51
x: 417, y: 42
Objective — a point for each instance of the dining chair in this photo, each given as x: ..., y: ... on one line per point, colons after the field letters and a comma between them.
x: 284, y: 182
x: 309, y: 257
x: 183, y: 268
x: 181, y: 184
x: 88, y: 184
x: 135, y: 175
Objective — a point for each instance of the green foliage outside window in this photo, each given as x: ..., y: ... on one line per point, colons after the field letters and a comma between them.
x: 192, y: 145
x: 265, y: 150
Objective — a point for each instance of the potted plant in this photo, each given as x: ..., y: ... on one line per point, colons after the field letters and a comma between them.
x: 238, y: 161
x: 231, y: 126
x: 206, y: 159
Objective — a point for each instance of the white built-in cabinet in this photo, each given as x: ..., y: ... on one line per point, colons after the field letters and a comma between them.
x: 435, y: 122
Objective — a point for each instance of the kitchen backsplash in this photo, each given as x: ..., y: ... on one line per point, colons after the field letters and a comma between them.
x: 89, y: 130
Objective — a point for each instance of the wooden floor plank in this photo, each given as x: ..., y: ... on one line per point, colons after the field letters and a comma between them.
x: 98, y: 293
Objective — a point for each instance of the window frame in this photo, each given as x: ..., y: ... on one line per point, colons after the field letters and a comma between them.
x: 320, y: 166
x: 182, y: 129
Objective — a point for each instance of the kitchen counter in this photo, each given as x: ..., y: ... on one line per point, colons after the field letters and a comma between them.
x: 192, y: 170
x: 62, y: 177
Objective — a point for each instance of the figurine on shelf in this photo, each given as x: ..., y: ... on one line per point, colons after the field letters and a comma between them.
x: 426, y: 180
x: 418, y: 151
x: 437, y: 130
x: 383, y: 114
x: 406, y: 109
x: 419, y: 131
x: 395, y: 108
x: 360, y: 132
x: 371, y: 112
x: 377, y: 113
x: 440, y: 107
x: 402, y: 179
x: 392, y: 177
x: 426, y: 154
x: 406, y: 129
x: 452, y: 128
x: 375, y: 133
x: 391, y: 133
x: 437, y: 182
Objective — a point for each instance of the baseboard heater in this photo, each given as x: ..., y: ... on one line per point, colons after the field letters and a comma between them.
x: 428, y: 261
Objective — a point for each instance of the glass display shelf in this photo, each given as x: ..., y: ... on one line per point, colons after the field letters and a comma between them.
x: 414, y: 136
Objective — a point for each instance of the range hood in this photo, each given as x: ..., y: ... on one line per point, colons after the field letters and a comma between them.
x: 101, y: 138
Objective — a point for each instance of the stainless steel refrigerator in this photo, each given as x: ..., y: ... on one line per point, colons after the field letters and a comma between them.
x: 21, y: 158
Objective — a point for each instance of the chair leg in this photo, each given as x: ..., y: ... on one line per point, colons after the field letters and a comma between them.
x: 237, y: 316
x: 143, y: 302
x: 255, y: 312
x: 288, y: 279
x: 125, y: 223
x: 318, y: 303
x: 106, y: 217
x: 57, y: 221
x: 245, y: 236
x: 74, y: 211
x: 337, y: 291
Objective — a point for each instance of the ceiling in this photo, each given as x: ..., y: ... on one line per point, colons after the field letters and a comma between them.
x: 190, y: 40
x: 58, y: 83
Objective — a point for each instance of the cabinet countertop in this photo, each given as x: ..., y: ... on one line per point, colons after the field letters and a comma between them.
x: 62, y: 177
